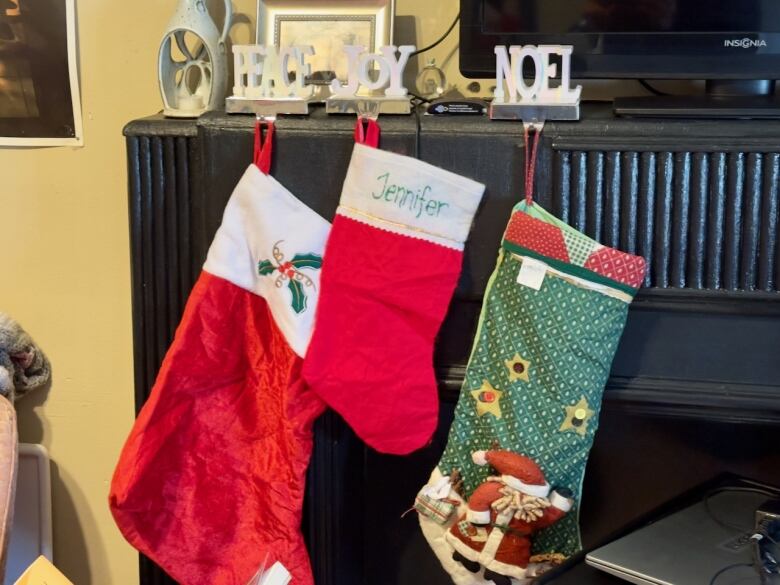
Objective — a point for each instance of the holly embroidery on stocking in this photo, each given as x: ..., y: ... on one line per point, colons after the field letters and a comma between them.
x: 290, y: 272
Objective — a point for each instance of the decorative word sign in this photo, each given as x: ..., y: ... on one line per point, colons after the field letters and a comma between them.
x: 513, y: 98
x: 510, y: 73
x: 373, y: 83
x: 388, y: 71
x: 262, y: 71
x: 263, y: 86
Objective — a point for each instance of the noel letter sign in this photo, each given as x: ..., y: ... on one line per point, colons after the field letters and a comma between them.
x: 511, y: 84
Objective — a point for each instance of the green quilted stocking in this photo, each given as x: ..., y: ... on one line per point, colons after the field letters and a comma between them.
x: 553, y: 314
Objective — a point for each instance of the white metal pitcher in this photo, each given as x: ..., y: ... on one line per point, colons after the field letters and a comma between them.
x: 193, y: 80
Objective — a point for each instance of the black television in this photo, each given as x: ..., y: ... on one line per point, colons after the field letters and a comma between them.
x: 644, y: 39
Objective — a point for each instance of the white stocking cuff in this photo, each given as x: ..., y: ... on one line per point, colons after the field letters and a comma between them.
x: 407, y: 196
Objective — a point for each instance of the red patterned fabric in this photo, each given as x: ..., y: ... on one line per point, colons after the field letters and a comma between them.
x: 546, y: 239
x: 617, y: 265
x: 536, y: 235
x: 211, y: 478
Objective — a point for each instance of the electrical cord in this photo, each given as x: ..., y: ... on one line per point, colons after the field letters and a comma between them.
x: 651, y: 89
x: 726, y: 569
x: 418, y: 134
x: 419, y: 98
x: 756, y: 534
x: 742, y: 489
x: 439, y: 41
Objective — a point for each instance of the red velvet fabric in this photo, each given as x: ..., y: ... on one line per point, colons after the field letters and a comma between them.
x: 211, y: 478
x: 383, y: 298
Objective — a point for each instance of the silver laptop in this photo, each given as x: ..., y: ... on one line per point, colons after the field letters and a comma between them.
x: 690, y: 546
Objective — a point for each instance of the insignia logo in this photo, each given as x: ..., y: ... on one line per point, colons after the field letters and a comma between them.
x: 744, y: 43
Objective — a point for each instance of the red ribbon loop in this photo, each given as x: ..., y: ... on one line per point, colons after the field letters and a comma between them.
x: 263, y: 146
x: 531, y: 146
x: 368, y: 134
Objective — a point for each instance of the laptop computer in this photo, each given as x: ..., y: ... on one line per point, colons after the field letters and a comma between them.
x: 690, y: 546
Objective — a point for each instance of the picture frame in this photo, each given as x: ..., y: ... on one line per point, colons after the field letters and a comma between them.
x: 327, y: 25
x: 40, y: 104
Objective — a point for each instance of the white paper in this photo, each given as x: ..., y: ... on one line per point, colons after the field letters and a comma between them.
x: 532, y: 273
x: 438, y: 490
x: 276, y: 575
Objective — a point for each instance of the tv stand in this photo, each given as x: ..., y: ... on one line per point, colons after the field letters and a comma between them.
x: 748, y: 99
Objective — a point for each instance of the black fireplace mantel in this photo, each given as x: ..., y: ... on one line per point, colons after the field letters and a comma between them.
x: 695, y: 386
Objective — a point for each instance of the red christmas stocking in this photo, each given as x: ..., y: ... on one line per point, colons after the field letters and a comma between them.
x: 391, y: 264
x: 210, y: 482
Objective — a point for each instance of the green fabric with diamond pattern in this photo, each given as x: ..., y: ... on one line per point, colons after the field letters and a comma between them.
x: 565, y: 336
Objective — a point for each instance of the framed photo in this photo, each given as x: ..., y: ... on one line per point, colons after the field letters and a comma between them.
x: 39, y: 90
x: 327, y: 25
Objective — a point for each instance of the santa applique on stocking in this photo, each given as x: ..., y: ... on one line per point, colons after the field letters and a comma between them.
x: 502, y: 515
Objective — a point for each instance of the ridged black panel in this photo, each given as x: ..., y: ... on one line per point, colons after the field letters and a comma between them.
x: 160, y: 179
x: 646, y: 211
x: 160, y: 173
x: 769, y: 244
x: 703, y: 220
x: 701, y: 208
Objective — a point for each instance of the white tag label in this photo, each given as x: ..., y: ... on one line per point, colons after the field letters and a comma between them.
x: 276, y: 575
x: 532, y: 273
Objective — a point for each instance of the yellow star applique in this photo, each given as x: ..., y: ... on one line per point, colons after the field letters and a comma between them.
x: 488, y: 399
x: 518, y: 368
x: 577, y: 417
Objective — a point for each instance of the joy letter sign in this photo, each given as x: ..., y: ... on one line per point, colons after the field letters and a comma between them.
x: 388, y: 71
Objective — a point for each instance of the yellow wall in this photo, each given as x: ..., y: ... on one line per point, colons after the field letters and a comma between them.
x: 64, y: 273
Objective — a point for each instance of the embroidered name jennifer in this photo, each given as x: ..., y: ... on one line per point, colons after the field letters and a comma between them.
x: 416, y: 201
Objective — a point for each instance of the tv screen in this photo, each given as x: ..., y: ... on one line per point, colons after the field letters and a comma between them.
x: 698, y: 39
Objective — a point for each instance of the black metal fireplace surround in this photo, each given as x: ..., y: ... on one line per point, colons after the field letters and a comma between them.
x: 695, y: 386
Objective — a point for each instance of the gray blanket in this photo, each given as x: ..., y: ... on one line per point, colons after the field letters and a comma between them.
x: 23, y: 366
